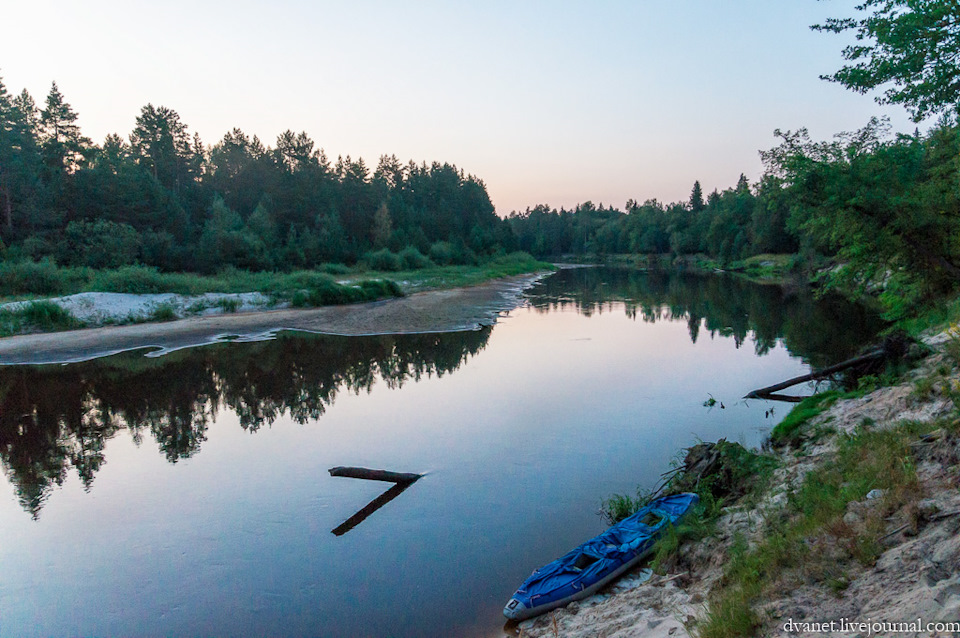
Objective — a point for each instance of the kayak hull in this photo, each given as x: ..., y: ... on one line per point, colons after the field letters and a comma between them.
x: 598, y: 562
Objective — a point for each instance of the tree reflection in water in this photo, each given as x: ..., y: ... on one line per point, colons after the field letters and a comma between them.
x: 53, y: 418
x: 819, y: 331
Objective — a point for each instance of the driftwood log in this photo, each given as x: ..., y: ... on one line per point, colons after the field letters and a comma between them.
x: 374, y: 475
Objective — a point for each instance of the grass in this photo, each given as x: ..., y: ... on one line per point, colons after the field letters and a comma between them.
x: 25, y: 278
x: 329, y: 292
x: 789, y: 431
x: 740, y: 475
x: 163, y: 312
x: 794, y: 548
x: 938, y: 316
x: 457, y: 276
x: 38, y: 316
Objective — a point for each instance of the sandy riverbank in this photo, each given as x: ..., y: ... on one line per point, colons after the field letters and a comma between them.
x: 431, y: 311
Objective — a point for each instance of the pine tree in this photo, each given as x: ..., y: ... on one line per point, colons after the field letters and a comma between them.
x: 696, y: 198
x: 60, y: 139
x: 162, y: 145
x: 743, y: 186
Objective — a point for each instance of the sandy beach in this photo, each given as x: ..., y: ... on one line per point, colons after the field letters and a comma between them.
x: 430, y: 311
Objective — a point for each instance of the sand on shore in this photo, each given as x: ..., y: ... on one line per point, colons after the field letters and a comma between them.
x: 431, y: 311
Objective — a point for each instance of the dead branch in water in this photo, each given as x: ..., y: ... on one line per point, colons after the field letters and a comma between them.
x: 765, y: 393
x: 374, y: 475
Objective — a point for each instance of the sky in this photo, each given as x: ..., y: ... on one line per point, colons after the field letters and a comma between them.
x: 547, y: 102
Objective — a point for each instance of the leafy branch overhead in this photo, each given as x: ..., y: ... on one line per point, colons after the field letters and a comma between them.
x: 911, y: 47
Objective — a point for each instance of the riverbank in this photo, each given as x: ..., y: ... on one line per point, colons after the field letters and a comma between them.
x: 462, y: 308
x: 44, y: 297
x: 859, y: 522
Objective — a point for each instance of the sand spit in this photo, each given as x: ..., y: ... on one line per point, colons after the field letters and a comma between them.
x: 431, y: 311
x: 98, y: 308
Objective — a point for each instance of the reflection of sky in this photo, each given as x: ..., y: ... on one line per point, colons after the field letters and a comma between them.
x: 520, y: 444
x: 555, y: 102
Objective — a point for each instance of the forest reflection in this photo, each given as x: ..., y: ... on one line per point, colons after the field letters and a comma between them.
x: 819, y: 331
x: 53, y: 418
x: 56, y: 419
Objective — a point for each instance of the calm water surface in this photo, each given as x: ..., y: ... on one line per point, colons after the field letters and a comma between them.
x: 189, y: 494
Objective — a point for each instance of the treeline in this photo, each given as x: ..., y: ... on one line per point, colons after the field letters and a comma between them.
x: 733, y: 224
x: 885, y: 209
x: 162, y: 198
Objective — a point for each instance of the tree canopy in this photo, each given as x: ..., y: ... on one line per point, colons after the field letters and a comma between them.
x: 910, y: 46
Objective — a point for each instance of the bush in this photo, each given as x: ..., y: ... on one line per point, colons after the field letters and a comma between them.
x: 100, y: 244
x: 442, y: 253
x: 30, y: 277
x: 413, y: 259
x: 330, y: 293
x: 383, y: 260
x: 164, y: 312
x: 139, y: 280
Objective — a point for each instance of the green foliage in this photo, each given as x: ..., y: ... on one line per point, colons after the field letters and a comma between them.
x: 325, y: 292
x: 442, y: 253
x: 866, y: 460
x: 790, y: 430
x: 31, y: 277
x: 37, y: 316
x: 100, y: 244
x: 139, y: 280
x: 910, y: 47
x: 413, y: 259
x: 620, y: 506
x: 164, y: 199
x: 383, y: 259
x: 886, y: 208
x: 163, y: 312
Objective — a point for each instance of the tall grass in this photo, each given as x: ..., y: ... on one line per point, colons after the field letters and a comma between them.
x: 38, y: 316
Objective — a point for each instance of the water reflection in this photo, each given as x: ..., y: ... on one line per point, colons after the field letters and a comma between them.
x: 53, y: 418
x: 820, y: 331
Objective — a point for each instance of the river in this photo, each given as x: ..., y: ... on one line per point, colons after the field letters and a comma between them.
x: 189, y: 495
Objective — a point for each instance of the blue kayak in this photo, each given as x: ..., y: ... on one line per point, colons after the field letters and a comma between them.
x: 599, y: 561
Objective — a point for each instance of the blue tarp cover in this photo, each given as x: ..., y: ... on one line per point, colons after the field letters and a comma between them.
x: 601, y: 555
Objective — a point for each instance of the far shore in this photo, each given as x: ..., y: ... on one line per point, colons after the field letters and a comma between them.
x: 444, y: 310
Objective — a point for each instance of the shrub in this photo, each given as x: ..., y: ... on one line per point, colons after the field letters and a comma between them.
x: 383, y: 260
x: 164, y: 312
x: 413, y: 259
x: 30, y: 277
x: 139, y: 280
x: 331, y: 293
x: 100, y: 244
x: 442, y: 253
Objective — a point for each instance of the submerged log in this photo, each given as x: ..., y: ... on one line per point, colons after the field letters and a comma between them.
x: 817, y: 375
x: 374, y: 475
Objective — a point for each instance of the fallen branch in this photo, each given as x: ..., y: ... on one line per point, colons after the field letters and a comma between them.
x: 870, y: 357
x: 374, y: 475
